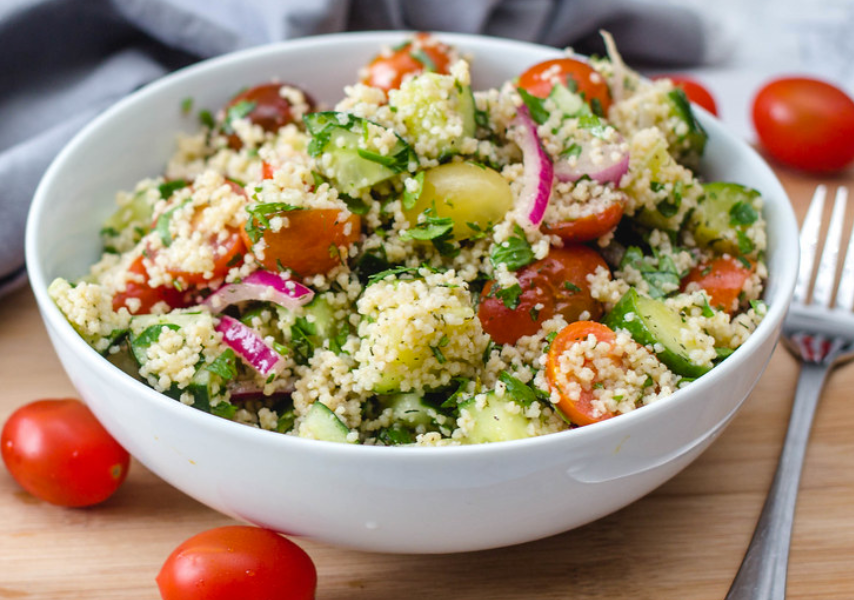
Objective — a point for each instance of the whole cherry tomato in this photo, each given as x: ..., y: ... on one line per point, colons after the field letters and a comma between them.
x: 696, y: 91
x: 589, y: 227
x: 580, y: 410
x: 238, y: 562
x: 806, y: 124
x: 723, y: 279
x: 309, y: 242
x: 263, y: 105
x: 556, y: 284
x: 540, y: 79
x: 423, y: 53
x: 59, y: 452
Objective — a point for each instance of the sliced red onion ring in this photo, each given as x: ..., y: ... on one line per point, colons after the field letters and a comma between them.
x: 261, y: 285
x: 249, y: 346
x: 538, y: 174
x: 613, y: 165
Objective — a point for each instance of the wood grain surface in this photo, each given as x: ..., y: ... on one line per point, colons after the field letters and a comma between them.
x: 683, y: 541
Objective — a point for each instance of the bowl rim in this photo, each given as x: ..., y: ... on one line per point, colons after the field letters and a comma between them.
x: 54, y: 319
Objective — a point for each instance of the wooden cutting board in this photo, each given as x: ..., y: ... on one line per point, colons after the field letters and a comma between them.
x: 683, y: 541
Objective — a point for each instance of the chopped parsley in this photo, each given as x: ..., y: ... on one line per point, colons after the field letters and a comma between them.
x: 239, y: 110
x: 224, y: 365
x: 259, y: 217
x: 409, y: 199
x: 515, y: 252
x: 168, y: 188
x: 742, y: 213
x: 523, y: 394
x: 535, y: 106
x: 510, y: 296
x: 435, y: 229
x: 419, y: 55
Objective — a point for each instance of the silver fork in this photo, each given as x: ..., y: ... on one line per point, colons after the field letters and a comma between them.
x: 821, y: 337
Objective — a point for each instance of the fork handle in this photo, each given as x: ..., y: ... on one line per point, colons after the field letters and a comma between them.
x: 762, y: 575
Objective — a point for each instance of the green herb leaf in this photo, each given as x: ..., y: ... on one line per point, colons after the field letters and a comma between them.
x: 742, y: 213
x: 206, y: 119
x: 224, y: 365
x: 572, y: 150
x: 162, y: 225
x: 745, y: 244
x: 707, y: 310
x: 168, y: 188
x: 226, y: 410
x: 240, y: 110
x: 259, y: 217
x: 394, y: 271
x: 515, y: 252
x: 186, y: 106
x: 535, y: 106
x: 454, y: 399
x: 510, y: 296
x: 425, y: 60
x: 410, y: 198
x: 523, y: 394
x: 595, y: 125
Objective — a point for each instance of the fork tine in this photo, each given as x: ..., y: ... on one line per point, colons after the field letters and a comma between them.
x: 808, y: 243
x: 826, y: 275
x: 845, y: 294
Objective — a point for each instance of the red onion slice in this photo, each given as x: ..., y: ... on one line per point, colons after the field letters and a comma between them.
x: 612, y: 164
x: 261, y: 285
x: 538, y: 174
x: 249, y: 346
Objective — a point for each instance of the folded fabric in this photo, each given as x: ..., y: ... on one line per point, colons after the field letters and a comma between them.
x: 64, y: 61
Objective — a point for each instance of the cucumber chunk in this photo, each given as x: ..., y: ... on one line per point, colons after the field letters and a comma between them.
x: 322, y: 424
x: 496, y: 421
x: 409, y: 409
x: 348, y: 160
x: 721, y: 221
x: 652, y: 323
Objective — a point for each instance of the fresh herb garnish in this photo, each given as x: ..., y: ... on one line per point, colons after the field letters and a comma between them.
x: 510, y: 296
x: 435, y: 229
x: 259, y: 217
x: 515, y: 252
x: 535, y: 106
x: 224, y: 365
x: 409, y: 198
x: 742, y: 213
x: 521, y: 393
x: 168, y: 188
x: 240, y: 110
x: 419, y: 55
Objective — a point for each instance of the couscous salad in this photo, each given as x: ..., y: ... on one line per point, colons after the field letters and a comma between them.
x: 427, y: 264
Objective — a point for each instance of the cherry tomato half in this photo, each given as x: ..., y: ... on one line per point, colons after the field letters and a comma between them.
x: 263, y: 105
x: 723, y: 279
x: 540, y: 79
x: 238, y: 562
x: 556, y: 284
x: 309, y: 243
x: 806, y: 124
x: 579, y: 410
x: 148, y: 296
x: 422, y: 53
x: 696, y: 91
x: 587, y: 228
x: 59, y: 452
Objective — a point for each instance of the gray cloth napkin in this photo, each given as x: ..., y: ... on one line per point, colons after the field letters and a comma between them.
x: 64, y: 61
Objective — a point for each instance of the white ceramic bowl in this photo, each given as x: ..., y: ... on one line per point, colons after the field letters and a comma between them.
x: 375, y: 498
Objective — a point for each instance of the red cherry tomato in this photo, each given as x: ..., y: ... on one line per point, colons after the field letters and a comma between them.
x: 696, y: 91
x: 556, y: 284
x: 59, y: 452
x: 579, y: 410
x: 539, y: 80
x: 309, y: 243
x: 227, y: 253
x: 422, y: 53
x: 148, y: 296
x: 238, y: 562
x: 587, y: 228
x: 806, y: 124
x: 723, y: 279
x: 269, y: 109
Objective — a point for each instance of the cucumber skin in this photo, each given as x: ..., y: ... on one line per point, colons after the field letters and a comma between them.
x: 643, y: 335
x: 325, y: 424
